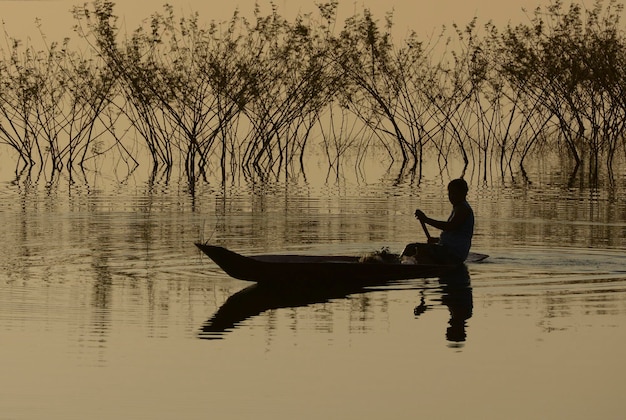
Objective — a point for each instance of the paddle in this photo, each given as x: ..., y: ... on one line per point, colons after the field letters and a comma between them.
x: 428, y: 237
x: 425, y: 230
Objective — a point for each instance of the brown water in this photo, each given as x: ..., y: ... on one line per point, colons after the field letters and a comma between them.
x: 105, y: 302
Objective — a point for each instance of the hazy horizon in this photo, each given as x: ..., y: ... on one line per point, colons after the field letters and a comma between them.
x: 20, y: 16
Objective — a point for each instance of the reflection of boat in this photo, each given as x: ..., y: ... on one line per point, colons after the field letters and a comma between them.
x: 454, y: 286
x: 301, y: 268
x: 261, y: 297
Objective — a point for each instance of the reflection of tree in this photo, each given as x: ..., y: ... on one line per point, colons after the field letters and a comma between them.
x: 102, y: 288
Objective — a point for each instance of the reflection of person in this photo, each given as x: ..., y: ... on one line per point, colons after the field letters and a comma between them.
x: 456, y: 237
x: 456, y: 295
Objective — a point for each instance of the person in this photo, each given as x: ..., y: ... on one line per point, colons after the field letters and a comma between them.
x: 453, y: 245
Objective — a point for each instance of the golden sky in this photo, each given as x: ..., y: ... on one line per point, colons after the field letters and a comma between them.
x: 422, y: 16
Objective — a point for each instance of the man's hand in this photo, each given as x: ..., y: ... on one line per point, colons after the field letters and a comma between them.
x: 420, y: 215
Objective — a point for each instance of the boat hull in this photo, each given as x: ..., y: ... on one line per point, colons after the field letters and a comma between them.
x: 306, y: 268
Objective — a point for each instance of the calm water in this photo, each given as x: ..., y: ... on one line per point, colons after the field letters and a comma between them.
x: 105, y: 302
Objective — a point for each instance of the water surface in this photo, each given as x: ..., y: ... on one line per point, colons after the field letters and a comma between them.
x: 105, y: 302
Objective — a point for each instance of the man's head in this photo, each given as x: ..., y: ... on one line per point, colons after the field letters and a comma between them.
x: 457, y: 191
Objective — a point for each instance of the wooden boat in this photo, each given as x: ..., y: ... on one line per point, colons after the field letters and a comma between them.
x: 305, y: 268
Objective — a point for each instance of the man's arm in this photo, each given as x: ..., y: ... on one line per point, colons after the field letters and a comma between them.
x: 460, y: 214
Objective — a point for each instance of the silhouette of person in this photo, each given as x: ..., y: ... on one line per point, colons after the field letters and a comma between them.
x: 456, y: 237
